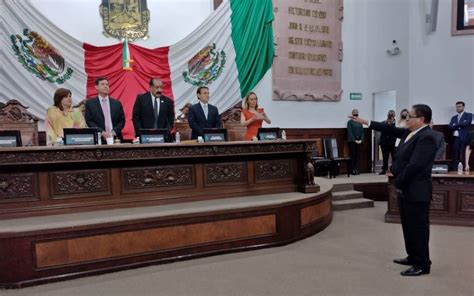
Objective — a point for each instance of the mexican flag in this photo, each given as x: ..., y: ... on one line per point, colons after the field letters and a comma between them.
x: 229, y: 52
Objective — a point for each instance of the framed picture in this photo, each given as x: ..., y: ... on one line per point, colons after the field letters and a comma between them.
x: 462, y: 22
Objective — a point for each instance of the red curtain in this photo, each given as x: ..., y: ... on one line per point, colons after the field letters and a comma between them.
x: 125, y: 85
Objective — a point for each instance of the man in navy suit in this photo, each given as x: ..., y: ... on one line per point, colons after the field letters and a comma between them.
x: 105, y: 113
x: 460, y: 125
x: 203, y: 115
x: 411, y: 168
x: 153, y: 110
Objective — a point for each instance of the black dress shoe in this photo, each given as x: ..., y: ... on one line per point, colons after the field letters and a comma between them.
x: 415, y: 271
x: 403, y: 261
x: 383, y: 173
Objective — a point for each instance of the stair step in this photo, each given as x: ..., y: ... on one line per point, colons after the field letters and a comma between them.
x: 342, y: 187
x: 349, y: 204
x: 350, y: 194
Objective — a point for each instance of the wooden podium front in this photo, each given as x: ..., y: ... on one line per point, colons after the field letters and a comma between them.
x: 452, y: 204
x: 55, y: 180
x: 150, y: 204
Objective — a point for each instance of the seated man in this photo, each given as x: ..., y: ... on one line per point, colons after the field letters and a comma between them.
x: 203, y: 115
x: 105, y: 113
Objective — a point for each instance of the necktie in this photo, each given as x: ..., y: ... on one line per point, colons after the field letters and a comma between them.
x: 107, y: 119
x: 155, y: 108
x: 205, y: 110
x: 409, y: 136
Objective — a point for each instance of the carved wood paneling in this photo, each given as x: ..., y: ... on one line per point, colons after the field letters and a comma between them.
x: 273, y: 169
x: 18, y: 187
x: 228, y: 173
x: 440, y: 201
x: 467, y: 202
x: 67, y: 154
x: 83, y: 183
x: 392, y: 199
x: 158, y: 177
x: 453, y: 181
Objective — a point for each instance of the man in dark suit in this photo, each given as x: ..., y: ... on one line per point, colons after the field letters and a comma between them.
x: 460, y: 125
x: 105, y: 113
x: 153, y: 110
x: 411, y: 168
x: 203, y: 115
x: 387, y: 142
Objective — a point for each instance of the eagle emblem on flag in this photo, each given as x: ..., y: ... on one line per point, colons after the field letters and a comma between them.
x: 125, y: 19
x: 40, y: 57
x: 206, y: 66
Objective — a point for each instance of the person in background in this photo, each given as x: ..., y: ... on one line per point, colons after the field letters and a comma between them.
x: 203, y: 115
x: 105, y: 113
x: 387, y: 142
x: 469, y: 148
x: 440, y: 143
x: 62, y: 115
x: 252, y: 116
x: 355, y: 134
x: 402, y: 122
x: 460, y: 126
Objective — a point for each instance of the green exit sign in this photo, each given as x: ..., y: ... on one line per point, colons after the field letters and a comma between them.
x: 355, y: 96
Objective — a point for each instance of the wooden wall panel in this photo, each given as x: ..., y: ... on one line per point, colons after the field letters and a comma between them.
x: 315, y: 212
x: 106, y: 246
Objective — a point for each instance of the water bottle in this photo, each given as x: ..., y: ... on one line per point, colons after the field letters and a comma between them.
x: 99, y: 138
x: 178, y: 137
x: 283, y: 135
x: 59, y: 141
x: 460, y: 168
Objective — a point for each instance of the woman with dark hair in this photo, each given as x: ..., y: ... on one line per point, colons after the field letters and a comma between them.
x: 251, y: 116
x: 62, y: 115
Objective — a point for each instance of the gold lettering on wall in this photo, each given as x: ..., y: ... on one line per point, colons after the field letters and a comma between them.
x: 309, y: 71
x: 309, y: 46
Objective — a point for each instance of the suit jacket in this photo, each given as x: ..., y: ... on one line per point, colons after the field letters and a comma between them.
x: 197, y: 120
x: 412, y: 161
x: 144, y: 114
x: 387, y: 139
x: 463, y: 126
x: 95, y: 116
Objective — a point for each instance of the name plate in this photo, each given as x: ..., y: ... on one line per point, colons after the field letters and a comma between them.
x: 8, y: 141
x: 152, y: 139
x: 268, y: 136
x: 80, y: 139
x: 439, y: 169
x: 217, y: 137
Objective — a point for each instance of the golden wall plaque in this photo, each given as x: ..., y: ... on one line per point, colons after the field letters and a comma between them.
x: 125, y: 19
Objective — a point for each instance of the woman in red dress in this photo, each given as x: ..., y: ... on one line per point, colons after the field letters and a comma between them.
x: 252, y: 116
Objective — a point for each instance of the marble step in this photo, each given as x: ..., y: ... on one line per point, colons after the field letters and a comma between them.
x: 349, y: 194
x: 342, y: 187
x: 349, y: 204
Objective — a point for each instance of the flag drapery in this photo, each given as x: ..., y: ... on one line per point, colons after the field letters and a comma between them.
x: 229, y: 52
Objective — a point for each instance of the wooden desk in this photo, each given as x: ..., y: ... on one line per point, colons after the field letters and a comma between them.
x: 56, y: 180
x: 452, y: 204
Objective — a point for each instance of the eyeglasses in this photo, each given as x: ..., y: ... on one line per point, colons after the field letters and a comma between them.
x: 413, y: 116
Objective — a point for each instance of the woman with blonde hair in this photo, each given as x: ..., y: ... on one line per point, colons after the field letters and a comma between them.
x: 252, y: 116
x: 62, y: 115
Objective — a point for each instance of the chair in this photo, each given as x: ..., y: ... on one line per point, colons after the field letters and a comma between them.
x: 331, y: 152
x: 14, y: 116
x: 320, y: 163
